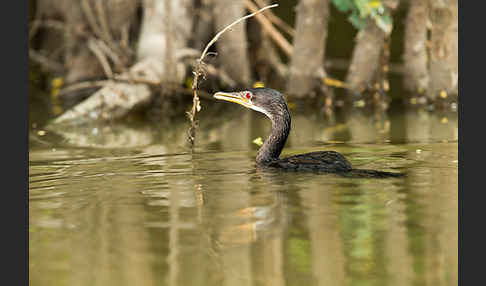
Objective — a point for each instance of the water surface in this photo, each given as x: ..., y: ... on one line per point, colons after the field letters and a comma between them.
x: 130, y: 204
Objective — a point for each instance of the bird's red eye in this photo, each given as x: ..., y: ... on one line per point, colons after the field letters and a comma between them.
x: 248, y: 95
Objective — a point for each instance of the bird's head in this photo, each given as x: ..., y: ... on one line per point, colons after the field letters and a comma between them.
x: 271, y: 103
x: 265, y: 100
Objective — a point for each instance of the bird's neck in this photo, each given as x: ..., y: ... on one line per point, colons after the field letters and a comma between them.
x: 273, y: 145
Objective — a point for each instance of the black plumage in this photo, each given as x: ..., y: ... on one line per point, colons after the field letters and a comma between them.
x: 272, y: 103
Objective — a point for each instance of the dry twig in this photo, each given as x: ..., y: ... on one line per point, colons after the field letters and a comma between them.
x: 199, y: 71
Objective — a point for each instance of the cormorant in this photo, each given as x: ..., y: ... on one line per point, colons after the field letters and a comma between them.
x: 272, y: 103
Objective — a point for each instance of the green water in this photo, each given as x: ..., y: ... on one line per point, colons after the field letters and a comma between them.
x: 129, y: 204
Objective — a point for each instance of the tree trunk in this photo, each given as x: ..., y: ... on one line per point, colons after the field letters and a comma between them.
x: 415, y: 49
x: 166, y: 28
x: 307, y: 61
x: 366, y: 56
x: 443, y: 48
x: 232, y: 46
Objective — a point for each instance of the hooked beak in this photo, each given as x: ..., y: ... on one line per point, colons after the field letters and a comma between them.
x: 233, y: 97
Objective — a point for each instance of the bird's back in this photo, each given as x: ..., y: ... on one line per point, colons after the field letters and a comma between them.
x: 327, y: 161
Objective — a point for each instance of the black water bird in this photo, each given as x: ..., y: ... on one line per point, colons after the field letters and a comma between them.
x: 272, y: 103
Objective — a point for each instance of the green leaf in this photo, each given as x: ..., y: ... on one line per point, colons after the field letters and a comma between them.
x: 362, y: 6
x: 343, y: 5
x: 357, y: 21
x: 361, y: 10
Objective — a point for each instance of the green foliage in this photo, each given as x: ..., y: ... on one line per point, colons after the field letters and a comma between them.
x: 361, y: 10
x: 343, y: 5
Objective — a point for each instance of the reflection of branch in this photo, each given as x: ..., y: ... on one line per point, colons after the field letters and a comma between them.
x: 270, y: 29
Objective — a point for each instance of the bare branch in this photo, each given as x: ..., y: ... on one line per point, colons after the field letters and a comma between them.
x: 100, y: 10
x: 82, y: 85
x: 276, y: 20
x: 94, y: 47
x: 88, y: 12
x: 45, y: 62
x: 274, y: 33
x: 112, y: 54
x: 36, y: 24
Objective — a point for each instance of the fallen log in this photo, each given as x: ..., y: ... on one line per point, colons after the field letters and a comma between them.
x: 114, y: 100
